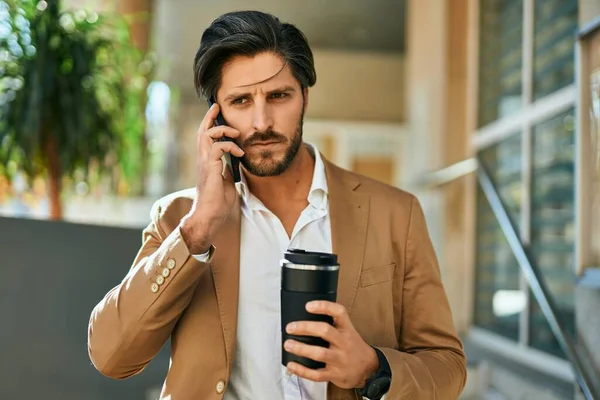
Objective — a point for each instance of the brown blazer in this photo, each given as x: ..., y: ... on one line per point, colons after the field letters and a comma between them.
x: 389, y: 282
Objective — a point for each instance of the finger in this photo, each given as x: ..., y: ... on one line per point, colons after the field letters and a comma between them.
x: 315, y: 375
x: 219, y: 148
x: 335, y: 310
x: 218, y: 132
x: 316, y: 353
x: 209, y: 118
x: 207, y: 122
x: 313, y: 328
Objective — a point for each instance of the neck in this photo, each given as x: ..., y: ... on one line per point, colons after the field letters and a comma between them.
x: 293, y: 184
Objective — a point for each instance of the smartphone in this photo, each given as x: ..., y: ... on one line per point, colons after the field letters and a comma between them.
x: 232, y: 161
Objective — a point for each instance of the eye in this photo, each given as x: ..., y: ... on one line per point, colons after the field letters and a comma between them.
x: 239, y: 101
x: 278, y: 95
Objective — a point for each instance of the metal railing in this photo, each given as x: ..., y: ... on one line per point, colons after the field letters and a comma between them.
x: 538, y: 287
x: 579, y: 360
x: 448, y: 174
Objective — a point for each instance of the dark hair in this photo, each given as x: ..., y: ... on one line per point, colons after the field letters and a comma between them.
x: 249, y: 33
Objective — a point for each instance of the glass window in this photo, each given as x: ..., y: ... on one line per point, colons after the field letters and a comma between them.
x: 503, y: 162
x: 551, y: 217
x: 553, y: 220
x: 500, y: 64
x: 555, y: 27
x: 541, y: 336
x: 498, y: 298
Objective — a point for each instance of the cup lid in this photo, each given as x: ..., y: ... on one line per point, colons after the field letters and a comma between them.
x: 299, y: 256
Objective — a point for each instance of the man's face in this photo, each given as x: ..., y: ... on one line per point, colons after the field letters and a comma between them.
x: 260, y: 97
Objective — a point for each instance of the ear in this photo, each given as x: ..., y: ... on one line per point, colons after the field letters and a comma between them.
x: 305, y: 93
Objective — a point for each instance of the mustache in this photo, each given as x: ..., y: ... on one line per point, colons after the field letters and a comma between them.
x: 267, y: 136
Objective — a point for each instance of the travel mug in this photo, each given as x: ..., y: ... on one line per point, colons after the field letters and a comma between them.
x: 306, y: 276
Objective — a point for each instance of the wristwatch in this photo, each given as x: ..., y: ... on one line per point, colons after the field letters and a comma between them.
x: 379, y: 383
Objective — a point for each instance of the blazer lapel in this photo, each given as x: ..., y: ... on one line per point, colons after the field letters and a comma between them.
x: 349, y: 212
x: 226, y: 276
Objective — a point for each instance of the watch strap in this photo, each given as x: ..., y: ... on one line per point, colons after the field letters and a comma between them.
x: 379, y: 383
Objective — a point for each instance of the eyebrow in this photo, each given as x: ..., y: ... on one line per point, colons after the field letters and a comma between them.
x: 281, y: 89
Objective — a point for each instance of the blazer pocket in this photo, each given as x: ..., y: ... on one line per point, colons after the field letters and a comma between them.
x: 377, y: 275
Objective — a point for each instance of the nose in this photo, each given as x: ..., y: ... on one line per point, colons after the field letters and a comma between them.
x: 262, y: 120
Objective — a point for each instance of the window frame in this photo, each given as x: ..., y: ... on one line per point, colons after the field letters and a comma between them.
x: 522, y: 122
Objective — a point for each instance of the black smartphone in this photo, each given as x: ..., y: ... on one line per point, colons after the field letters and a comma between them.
x: 232, y: 161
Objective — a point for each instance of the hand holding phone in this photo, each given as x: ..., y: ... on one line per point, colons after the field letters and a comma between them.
x: 232, y: 161
x: 215, y: 196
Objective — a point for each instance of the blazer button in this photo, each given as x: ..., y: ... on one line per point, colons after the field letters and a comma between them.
x: 160, y: 280
x: 154, y: 287
x: 220, y: 387
x: 166, y: 272
x: 170, y: 263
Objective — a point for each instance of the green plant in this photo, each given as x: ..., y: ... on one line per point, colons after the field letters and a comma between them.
x: 72, y: 96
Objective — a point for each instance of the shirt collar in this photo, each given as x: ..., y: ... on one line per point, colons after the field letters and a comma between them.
x: 317, y: 195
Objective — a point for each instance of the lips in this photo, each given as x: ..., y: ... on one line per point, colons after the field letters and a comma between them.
x: 264, y: 143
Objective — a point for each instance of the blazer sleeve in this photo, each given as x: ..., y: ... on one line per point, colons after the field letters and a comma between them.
x: 430, y: 363
x: 129, y: 326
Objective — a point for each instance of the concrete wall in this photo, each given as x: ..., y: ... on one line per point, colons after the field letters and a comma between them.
x: 52, y: 275
x: 438, y: 109
x: 589, y: 10
x: 358, y: 86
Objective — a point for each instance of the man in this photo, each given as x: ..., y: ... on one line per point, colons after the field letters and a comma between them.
x: 208, y: 273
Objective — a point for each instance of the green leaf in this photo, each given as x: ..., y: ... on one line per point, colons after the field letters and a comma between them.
x: 74, y: 77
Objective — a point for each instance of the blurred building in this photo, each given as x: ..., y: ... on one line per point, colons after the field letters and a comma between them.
x: 418, y: 94
x: 415, y: 93
x: 511, y: 85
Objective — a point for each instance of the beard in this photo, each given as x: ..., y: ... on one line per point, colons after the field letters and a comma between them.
x: 264, y: 163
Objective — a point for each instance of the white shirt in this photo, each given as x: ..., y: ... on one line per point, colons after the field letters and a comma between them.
x: 257, y: 372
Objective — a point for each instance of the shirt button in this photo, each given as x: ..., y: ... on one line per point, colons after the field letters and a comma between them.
x: 170, y: 263
x: 166, y: 272
x: 160, y: 279
x: 154, y: 287
x: 220, y: 387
